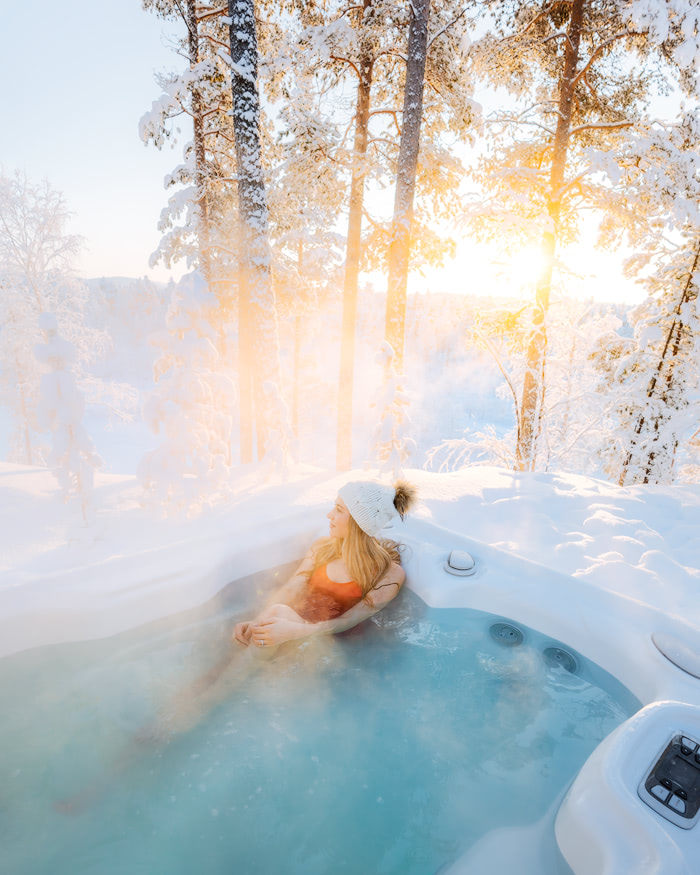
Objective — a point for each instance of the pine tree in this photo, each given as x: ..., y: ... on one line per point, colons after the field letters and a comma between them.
x: 375, y: 55
x: 257, y: 308
x: 412, y: 117
x: 587, y: 67
x: 193, y: 221
x: 654, y: 374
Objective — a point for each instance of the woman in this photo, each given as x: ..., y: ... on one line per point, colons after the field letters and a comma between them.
x: 344, y: 578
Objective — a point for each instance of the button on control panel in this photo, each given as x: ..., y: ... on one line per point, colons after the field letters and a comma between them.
x: 672, y: 784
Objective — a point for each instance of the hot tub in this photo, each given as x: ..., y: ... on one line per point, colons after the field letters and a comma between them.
x: 599, y: 824
x: 602, y: 825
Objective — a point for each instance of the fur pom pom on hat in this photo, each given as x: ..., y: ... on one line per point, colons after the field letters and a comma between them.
x: 374, y: 505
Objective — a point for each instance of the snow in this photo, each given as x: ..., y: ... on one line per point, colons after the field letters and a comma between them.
x: 62, y: 580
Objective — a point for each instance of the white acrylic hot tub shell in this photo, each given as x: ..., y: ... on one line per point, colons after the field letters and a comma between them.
x: 602, y: 826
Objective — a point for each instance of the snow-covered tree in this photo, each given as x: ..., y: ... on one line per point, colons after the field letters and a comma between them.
x: 306, y: 195
x: 401, y: 226
x: 367, y: 43
x: 197, y: 213
x: 652, y: 378
x: 579, y: 76
x: 391, y: 445
x: 72, y: 459
x: 35, y: 277
x: 574, y: 423
x: 191, y: 408
x: 256, y: 293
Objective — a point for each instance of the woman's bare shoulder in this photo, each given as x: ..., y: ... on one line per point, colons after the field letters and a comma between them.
x: 396, y: 573
x: 389, y: 585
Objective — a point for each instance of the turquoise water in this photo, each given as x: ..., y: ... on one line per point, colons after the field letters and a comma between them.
x: 390, y: 749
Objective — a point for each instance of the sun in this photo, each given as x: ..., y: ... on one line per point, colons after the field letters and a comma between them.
x: 525, y: 268
x: 584, y: 272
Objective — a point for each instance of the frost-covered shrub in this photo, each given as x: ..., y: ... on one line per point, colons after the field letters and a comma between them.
x: 60, y: 410
x: 391, y: 444
x: 36, y: 255
x: 278, y: 444
x: 191, y: 407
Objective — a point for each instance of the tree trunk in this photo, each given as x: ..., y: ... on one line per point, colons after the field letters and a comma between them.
x: 677, y: 328
x: 532, y: 402
x: 245, y: 376
x: 400, y: 246
x: 298, y: 321
x: 25, y: 419
x: 352, y: 259
x: 199, y: 149
x: 255, y: 274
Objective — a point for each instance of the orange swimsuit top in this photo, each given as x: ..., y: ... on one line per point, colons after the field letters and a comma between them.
x: 326, y: 599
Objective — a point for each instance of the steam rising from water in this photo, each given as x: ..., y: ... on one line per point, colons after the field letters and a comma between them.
x: 415, y: 731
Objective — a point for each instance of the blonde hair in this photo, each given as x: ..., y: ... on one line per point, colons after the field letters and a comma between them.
x: 367, y: 559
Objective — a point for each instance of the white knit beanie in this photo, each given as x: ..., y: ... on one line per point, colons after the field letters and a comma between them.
x: 371, y: 504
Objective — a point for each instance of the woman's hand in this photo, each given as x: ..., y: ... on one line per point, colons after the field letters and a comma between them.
x: 276, y: 630
x: 241, y: 633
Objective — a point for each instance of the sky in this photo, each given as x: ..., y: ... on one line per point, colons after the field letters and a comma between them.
x: 79, y: 82
x: 76, y: 81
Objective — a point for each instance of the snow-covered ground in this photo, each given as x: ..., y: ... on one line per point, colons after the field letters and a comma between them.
x: 61, y: 580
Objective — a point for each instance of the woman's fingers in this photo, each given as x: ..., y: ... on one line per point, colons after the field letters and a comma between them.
x: 260, y: 634
x: 242, y: 632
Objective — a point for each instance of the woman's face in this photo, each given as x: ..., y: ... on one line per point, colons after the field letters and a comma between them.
x: 339, y: 517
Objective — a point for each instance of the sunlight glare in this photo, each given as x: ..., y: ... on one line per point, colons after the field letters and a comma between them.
x: 524, y: 268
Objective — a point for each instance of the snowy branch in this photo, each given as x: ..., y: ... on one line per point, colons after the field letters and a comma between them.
x: 217, y: 42
x: 213, y: 110
x: 392, y: 112
x: 219, y: 133
x: 236, y: 68
x: 596, y: 54
x: 185, y: 19
x: 347, y: 10
x: 203, y: 16
x: 540, y: 15
x: 506, y: 120
x: 349, y: 63
x: 445, y: 28
x: 601, y: 126
x: 506, y: 376
x: 554, y: 36
x: 393, y: 53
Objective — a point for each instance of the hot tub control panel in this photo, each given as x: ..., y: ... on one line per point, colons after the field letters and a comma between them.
x: 672, y: 785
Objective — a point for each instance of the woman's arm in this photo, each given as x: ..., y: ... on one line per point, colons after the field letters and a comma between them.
x: 297, y: 581
x: 287, y: 593
x: 276, y: 630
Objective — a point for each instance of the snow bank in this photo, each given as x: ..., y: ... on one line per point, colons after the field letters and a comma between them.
x: 60, y: 580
